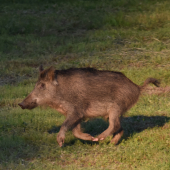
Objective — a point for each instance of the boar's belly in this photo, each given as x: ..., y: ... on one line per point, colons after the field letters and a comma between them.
x: 97, y: 109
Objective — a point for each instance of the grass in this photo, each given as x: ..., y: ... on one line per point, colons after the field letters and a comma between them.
x: 128, y: 36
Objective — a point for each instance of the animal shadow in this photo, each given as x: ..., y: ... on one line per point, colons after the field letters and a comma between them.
x: 131, y: 126
x: 137, y: 124
x: 54, y: 129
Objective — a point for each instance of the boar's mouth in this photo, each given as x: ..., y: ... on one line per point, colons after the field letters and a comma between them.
x: 29, y: 106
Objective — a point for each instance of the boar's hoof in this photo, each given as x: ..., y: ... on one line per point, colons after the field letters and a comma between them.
x: 60, y: 140
x: 95, y: 139
x: 115, y: 141
x: 101, y: 138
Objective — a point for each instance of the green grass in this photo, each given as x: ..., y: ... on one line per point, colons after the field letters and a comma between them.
x: 128, y: 36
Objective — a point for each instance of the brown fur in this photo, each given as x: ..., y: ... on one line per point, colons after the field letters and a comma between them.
x: 81, y: 93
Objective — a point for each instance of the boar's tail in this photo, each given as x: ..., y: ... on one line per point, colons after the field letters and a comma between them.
x: 148, y: 81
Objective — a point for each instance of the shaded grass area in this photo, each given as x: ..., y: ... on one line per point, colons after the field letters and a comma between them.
x: 28, y: 139
x: 129, y: 36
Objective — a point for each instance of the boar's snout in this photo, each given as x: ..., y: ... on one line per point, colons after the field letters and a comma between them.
x: 21, y: 105
x: 28, y: 104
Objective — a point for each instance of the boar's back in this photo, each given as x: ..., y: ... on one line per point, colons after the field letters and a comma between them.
x: 80, y: 85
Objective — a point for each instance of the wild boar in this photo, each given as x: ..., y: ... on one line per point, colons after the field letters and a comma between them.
x: 80, y: 93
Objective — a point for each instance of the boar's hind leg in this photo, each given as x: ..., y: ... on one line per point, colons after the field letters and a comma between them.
x: 79, y: 134
x: 114, y: 126
x: 117, y: 136
x: 71, y: 122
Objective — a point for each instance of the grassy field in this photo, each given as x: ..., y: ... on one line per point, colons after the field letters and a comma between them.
x: 130, y: 36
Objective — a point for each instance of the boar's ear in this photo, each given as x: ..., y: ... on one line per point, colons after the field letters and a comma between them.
x: 49, y: 75
x: 41, y: 68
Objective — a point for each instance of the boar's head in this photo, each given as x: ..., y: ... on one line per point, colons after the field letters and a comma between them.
x: 44, y: 90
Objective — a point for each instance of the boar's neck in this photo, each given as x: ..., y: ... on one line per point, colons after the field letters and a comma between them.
x: 58, y: 105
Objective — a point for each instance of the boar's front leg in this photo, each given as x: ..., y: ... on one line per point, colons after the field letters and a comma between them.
x: 79, y: 134
x: 71, y: 121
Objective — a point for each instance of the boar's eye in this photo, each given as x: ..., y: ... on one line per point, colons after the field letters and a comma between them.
x: 42, y: 86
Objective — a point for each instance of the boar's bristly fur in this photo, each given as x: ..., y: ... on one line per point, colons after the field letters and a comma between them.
x: 81, y: 93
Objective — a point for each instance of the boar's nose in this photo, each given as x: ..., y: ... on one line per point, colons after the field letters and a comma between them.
x: 21, y: 105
